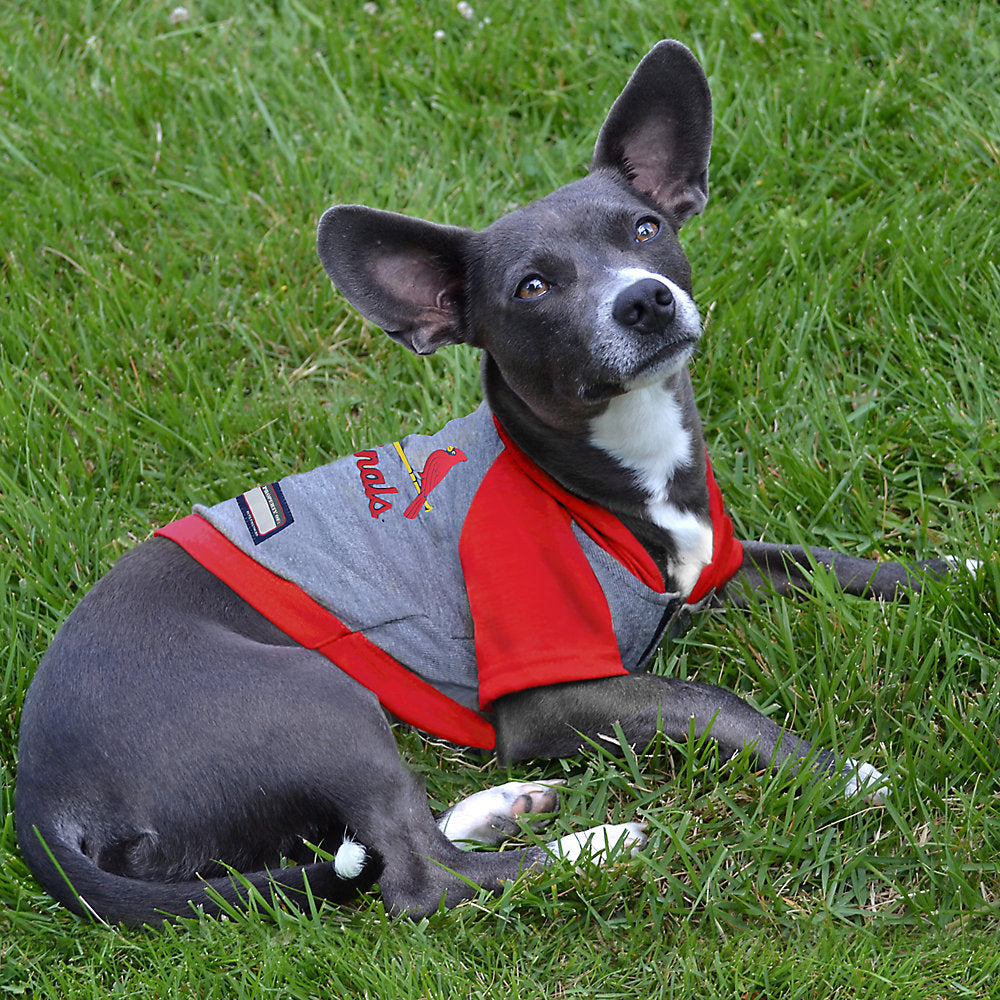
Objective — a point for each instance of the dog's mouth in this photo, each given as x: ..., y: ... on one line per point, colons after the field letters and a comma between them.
x: 666, y: 359
x: 675, y: 352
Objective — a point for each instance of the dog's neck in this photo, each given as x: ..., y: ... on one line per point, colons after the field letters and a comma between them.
x: 642, y: 457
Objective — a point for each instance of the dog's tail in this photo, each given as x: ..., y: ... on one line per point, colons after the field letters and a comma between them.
x: 57, y: 858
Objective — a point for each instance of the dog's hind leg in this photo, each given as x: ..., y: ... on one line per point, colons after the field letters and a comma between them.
x: 427, y: 862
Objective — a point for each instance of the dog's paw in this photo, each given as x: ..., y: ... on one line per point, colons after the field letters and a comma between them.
x: 865, y: 780
x: 349, y: 861
x: 972, y: 566
x: 601, y: 844
x: 491, y: 816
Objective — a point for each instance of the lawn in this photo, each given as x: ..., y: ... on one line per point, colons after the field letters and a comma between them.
x: 167, y: 336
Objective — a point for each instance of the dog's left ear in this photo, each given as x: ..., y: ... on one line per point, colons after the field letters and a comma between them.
x: 659, y: 131
x: 404, y: 274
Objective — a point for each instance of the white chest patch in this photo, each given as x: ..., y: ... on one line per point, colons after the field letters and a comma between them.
x: 644, y: 430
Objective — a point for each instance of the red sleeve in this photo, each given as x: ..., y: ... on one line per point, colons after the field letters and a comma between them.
x: 539, y: 612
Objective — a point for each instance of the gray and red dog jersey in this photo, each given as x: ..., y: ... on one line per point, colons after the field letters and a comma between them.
x: 443, y: 571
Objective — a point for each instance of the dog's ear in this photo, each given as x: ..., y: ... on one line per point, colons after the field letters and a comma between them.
x: 659, y: 131
x: 404, y: 274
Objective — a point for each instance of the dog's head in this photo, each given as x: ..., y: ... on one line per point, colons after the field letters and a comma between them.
x: 576, y: 298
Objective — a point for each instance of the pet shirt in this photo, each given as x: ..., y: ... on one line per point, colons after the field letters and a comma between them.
x: 443, y: 571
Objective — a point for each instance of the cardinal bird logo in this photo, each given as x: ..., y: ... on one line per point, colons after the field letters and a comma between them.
x: 438, y: 465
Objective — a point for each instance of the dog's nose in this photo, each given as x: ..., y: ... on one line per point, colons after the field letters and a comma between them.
x: 647, y: 306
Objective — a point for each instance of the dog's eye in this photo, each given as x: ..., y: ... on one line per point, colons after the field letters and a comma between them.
x: 533, y: 287
x: 646, y: 229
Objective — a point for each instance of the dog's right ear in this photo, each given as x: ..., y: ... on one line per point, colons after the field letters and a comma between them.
x: 405, y: 275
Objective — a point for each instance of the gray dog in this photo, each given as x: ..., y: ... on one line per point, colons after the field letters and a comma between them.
x: 218, y: 701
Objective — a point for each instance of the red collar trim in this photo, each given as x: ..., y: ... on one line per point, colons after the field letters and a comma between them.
x: 727, y: 552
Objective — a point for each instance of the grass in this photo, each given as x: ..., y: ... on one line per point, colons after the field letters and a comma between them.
x: 167, y: 336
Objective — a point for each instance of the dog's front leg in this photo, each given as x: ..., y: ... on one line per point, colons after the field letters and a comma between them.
x: 555, y: 721
x: 784, y: 568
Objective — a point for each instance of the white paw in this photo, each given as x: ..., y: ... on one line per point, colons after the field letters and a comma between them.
x: 601, y: 843
x: 350, y: 859
x: 491, y: 816
x: 973, y: 566
x: 863, y: 779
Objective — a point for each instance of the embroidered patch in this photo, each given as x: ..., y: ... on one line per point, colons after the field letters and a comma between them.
x: 438, y: 465
x: 265, y: 511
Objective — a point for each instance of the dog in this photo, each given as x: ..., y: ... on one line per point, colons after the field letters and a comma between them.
x: 218, y: 705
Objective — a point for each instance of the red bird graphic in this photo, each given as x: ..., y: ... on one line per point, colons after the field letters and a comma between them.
x: 437, y: 466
